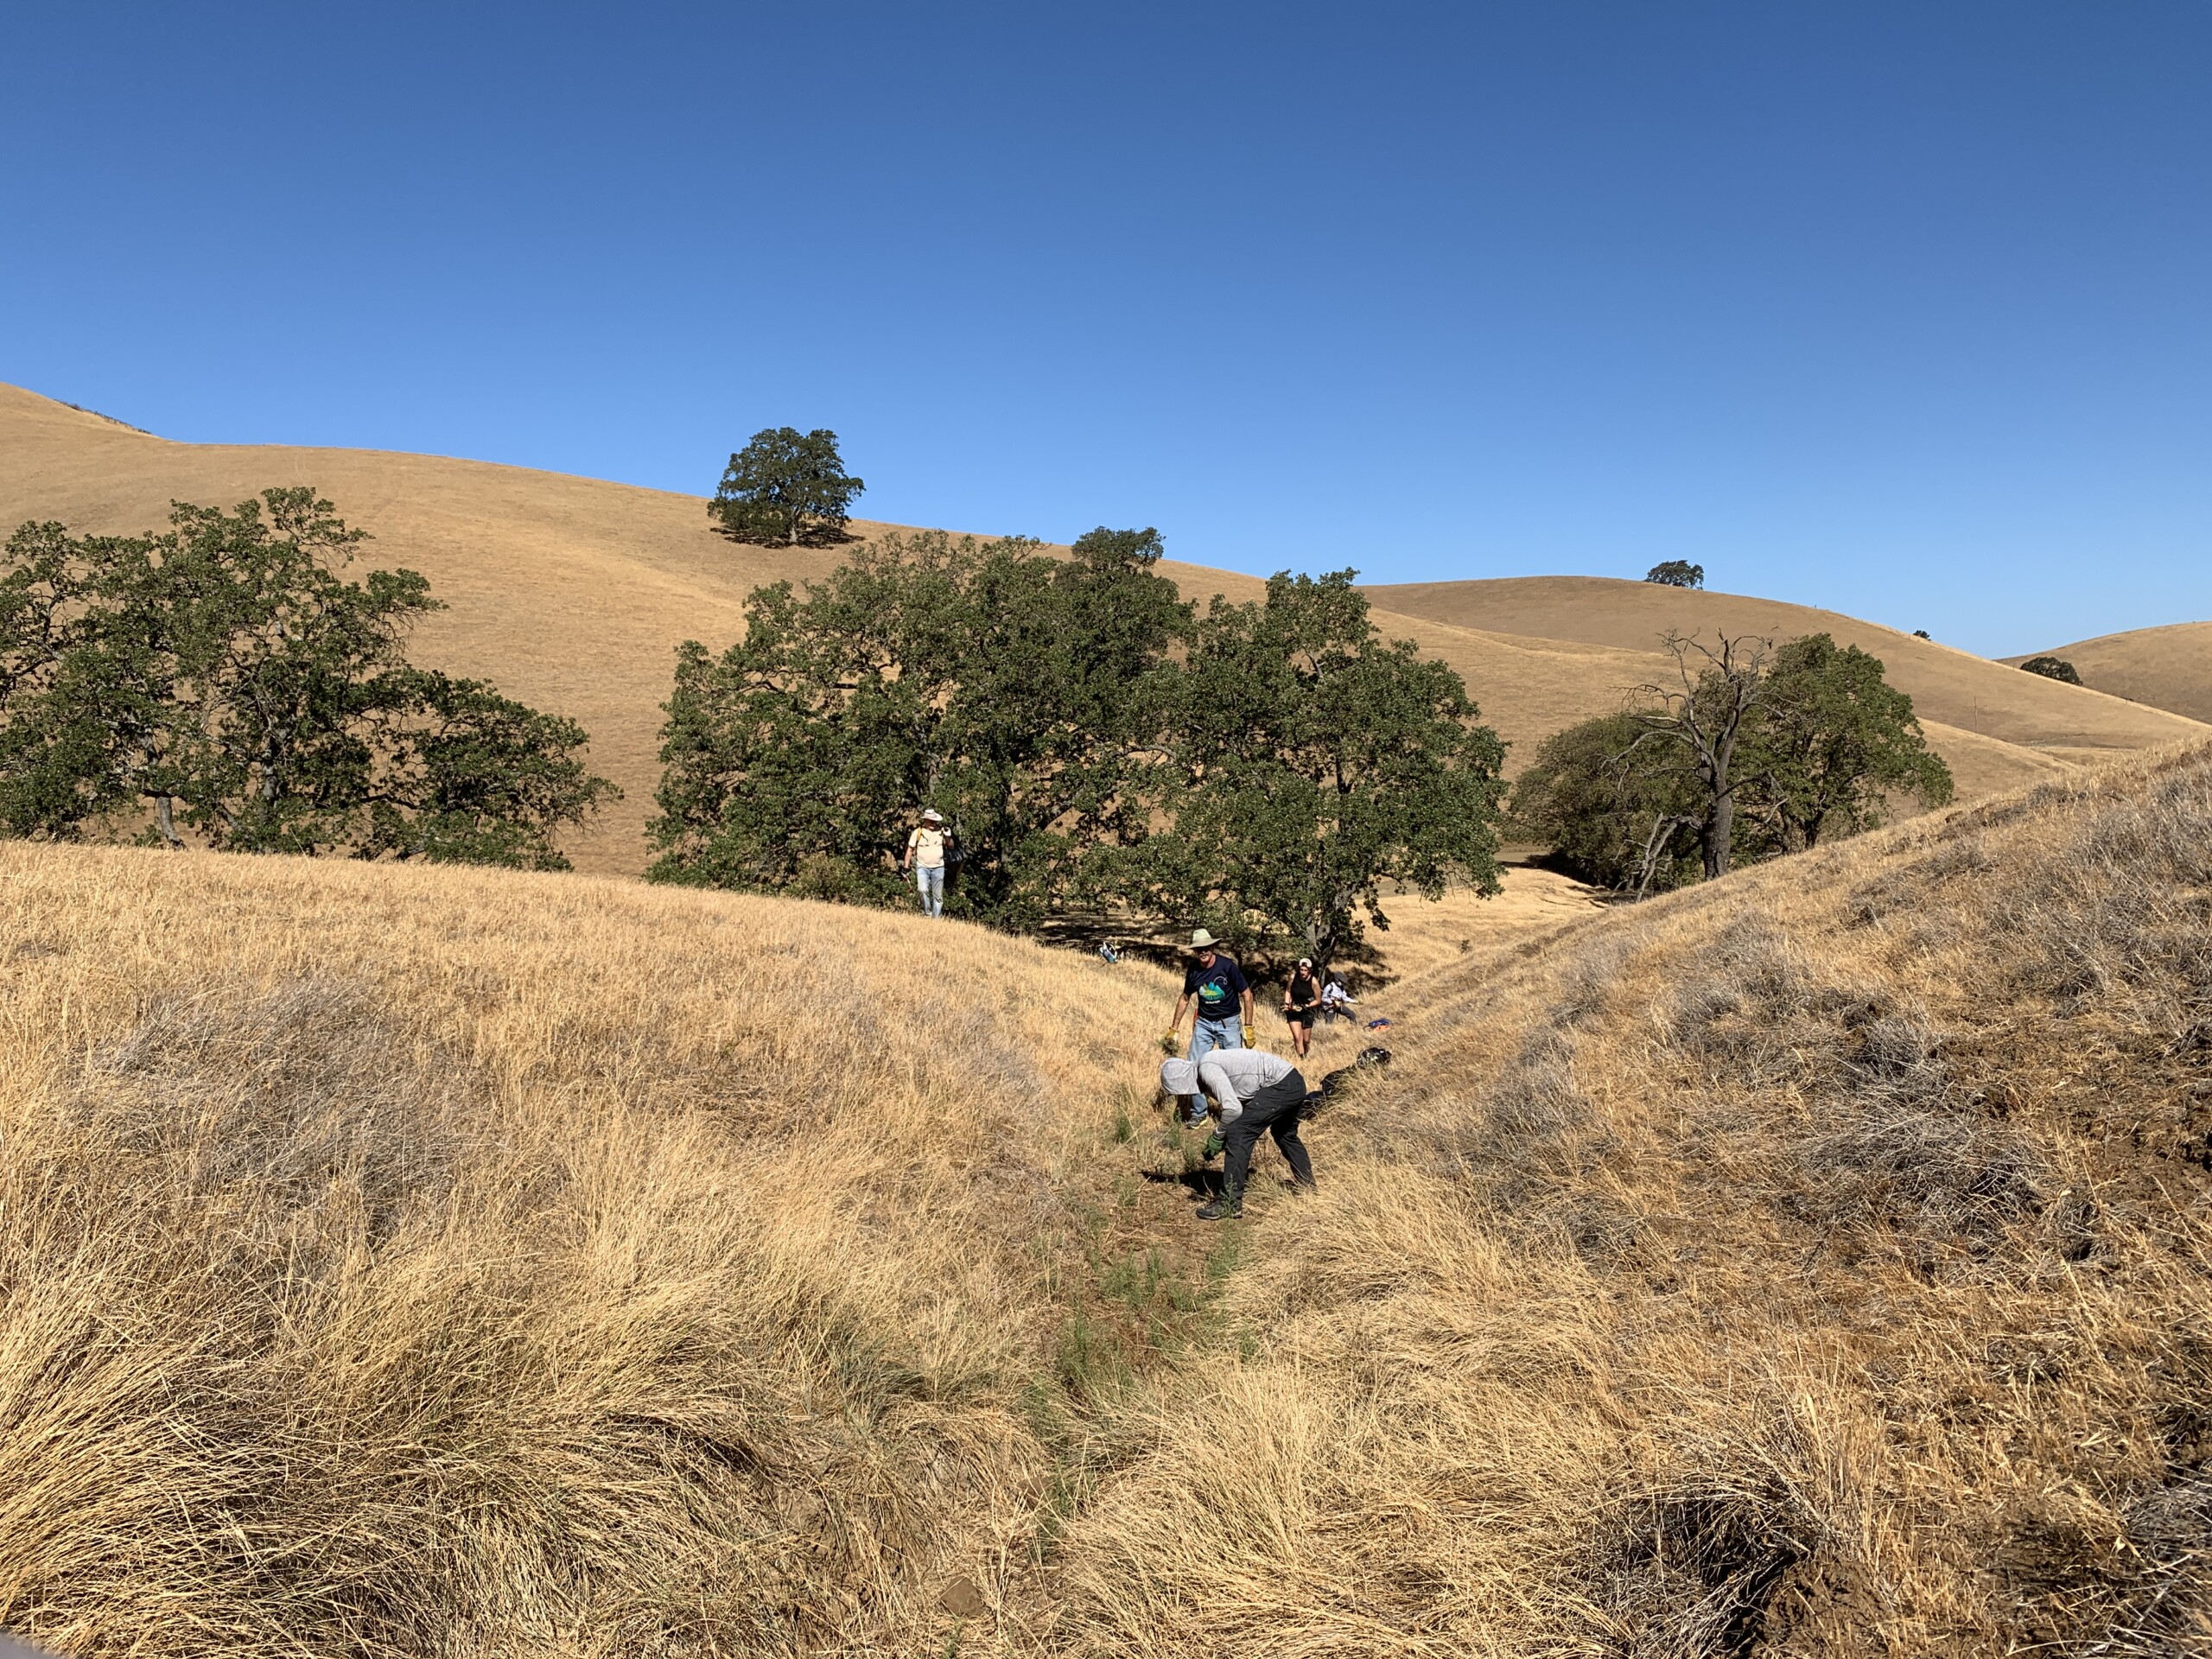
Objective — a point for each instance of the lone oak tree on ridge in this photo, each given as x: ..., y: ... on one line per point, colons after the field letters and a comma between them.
x: 786, y: 487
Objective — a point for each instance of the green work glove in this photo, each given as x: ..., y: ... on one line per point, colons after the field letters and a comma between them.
x: 1213, y: 1146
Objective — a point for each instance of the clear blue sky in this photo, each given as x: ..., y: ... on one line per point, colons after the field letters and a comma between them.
x: 1903, y: 308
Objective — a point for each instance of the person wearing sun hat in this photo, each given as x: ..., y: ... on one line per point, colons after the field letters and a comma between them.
x: 1215, y: 989
x: 925, y: 851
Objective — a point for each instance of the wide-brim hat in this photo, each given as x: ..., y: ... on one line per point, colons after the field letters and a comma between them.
x: 933, y: 816
x: 1202, y: 940
x: 1179, y: 1076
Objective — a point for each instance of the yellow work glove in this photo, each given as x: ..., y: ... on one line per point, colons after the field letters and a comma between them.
x: 1167, y: 1041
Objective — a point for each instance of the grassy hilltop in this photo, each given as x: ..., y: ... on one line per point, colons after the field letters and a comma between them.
x: 425, y: 1259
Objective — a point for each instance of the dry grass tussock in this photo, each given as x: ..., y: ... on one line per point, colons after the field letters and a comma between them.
x: 412, y: 1262
x: 409, y: 1262
x: 1819, y: 1262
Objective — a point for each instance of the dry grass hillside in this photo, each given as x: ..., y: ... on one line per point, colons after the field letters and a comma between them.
x: 1949, y: 688
x: 408, y: 1261
x: 572, y: 594
x: 2168, y: 668
x: 1815, y: 1264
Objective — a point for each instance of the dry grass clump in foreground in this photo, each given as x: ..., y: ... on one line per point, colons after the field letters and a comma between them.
x: 404, y: 1261
x: 1819, y: 1262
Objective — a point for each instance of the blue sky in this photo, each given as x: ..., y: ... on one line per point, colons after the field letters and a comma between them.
x: 1904, y: 310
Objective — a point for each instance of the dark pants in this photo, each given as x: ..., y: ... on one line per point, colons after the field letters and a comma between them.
x: 1273, y: 1111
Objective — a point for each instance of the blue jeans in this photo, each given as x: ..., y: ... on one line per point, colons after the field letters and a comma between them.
x: 1207, y: 1035
x: 930, y: 878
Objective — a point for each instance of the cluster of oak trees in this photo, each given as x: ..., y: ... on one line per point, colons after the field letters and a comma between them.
x: 1751, y: 752
x: 1099, y: 747
x: 1269, y: 770
x: 222, y: 684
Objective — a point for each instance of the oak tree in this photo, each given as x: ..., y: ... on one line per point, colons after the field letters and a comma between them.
x: 788, y: 487
x: 223, y: 680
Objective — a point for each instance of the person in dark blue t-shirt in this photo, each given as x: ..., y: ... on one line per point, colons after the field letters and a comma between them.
x: 1214, y: 987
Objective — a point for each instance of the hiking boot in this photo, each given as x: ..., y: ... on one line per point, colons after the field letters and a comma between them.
x: 1221, y: 1210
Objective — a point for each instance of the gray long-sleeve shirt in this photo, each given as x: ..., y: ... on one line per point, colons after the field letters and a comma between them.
x: 1233, y: 1076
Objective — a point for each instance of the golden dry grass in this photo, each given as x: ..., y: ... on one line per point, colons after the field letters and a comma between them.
x: 1820, y: 1262
x: 2168, y: 668
x: 427, y: 1261
x: 572, y: 594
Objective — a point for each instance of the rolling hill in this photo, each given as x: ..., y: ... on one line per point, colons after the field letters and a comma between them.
x: 571, y: 594
x: 1950, y: 687
x: 2168, y: 668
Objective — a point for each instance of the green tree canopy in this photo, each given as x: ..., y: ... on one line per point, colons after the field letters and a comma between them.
x: 1676, y: 573
x: 1834, y: 742
x: 786, y: 487
x: 1313, y: 763
x: 1268, y: 777
x: 1620, y: 812
x: 1016, y: 692
x: 1775, y: 751
x: 224, y: 678
x: 2053, y: 668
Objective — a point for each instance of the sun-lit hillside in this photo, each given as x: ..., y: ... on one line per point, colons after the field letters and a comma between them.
x: 571, y: 594
x: 410, y: 1259
x: 1950, y: 687
x: 2168, y: 668
x: 1818, y: 1262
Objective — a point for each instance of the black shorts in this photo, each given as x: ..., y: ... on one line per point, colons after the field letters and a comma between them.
x: 1301, y: 1016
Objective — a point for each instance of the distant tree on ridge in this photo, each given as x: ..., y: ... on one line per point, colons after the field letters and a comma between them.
x: 786, y: 487
x: 2053, y: 668
x: 1676, y: 573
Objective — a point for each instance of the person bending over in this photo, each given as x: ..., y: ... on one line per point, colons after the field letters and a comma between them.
x: 1257, y: 1093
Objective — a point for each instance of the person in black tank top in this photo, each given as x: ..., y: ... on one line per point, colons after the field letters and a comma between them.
x: 1301, y: 1004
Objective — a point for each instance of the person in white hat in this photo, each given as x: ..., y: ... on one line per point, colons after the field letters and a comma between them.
x: 925, y: 850
x: 1257, y: 1093
x: 1215, y: 989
